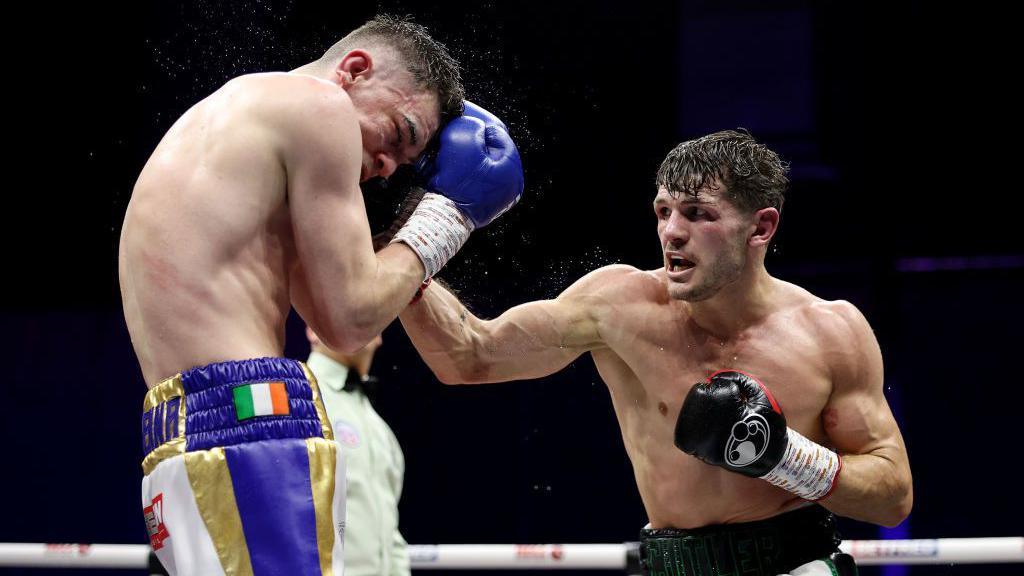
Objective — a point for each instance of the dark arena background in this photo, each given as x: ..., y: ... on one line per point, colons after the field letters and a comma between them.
x: 900, y: 121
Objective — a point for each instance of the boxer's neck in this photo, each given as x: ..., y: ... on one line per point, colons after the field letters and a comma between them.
x: 737, y: 306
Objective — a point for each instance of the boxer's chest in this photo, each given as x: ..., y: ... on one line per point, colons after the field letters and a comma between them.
x: 669, y: 357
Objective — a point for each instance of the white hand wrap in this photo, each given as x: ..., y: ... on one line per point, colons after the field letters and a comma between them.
x: 807, y: 469
x: 435, y: 231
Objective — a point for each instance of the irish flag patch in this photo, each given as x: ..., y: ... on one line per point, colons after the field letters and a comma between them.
x: 263, y: 399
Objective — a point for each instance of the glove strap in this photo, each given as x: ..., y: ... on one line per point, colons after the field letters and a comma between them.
x: 435, y: 231
x: 807, y: 469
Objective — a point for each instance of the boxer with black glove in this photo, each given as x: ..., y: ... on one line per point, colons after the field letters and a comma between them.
x: 731, y: 420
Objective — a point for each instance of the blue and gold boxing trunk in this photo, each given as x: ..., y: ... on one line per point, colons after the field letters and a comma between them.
x: 261, y: 463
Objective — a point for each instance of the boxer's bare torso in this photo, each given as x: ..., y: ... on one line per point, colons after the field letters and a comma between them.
x: 654, y: 334
x: 818, y: 359
x: 251, y: 204
x: 207, y: 242
x: 653, y: 353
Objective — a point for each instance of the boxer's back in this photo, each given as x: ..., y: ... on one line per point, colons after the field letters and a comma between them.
x: 207, y: 242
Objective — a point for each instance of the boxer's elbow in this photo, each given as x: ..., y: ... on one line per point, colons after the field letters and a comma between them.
x: 461, y: 369
x: 895, y: 515
x: 899, y: 501
x: 464, y: 364
x: 344, y: 335
x: 903, y: 502
x: 359, y: 323
x: 345, y: 340
x: 903, y: 512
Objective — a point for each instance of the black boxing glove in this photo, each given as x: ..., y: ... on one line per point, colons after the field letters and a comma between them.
x: 731, y: 420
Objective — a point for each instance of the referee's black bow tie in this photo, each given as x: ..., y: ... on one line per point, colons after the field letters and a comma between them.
x: 354, y: 382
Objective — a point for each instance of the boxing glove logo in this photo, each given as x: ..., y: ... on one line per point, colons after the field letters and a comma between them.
x: 747, y: 441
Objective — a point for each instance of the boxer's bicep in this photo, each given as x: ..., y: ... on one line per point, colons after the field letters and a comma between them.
x: 332, y: 238
x: 321, y: 152
x: 857, y: 418
x: 345, y: 290
x: 874, y: 483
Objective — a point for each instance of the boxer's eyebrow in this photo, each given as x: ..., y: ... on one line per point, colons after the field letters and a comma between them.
x: 699, y: 201
x: 413, y: 139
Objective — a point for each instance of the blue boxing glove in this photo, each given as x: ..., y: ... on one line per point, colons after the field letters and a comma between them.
x: 474, y: 111
x: 475, y: 177
x: 477, y: 166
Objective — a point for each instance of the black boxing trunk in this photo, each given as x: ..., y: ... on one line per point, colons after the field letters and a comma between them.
x: 766, y: 547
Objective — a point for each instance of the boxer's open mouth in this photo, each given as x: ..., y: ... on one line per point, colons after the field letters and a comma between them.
x: 679, y: 264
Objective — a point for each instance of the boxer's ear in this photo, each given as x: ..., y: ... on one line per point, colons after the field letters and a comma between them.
x: 355, y: 66
x: 765, y: 222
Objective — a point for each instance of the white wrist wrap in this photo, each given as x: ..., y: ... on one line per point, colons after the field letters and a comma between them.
x: 435, y: 231
x: 807, y: 469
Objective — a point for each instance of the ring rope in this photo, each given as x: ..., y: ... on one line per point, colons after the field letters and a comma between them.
x: 541, y: 556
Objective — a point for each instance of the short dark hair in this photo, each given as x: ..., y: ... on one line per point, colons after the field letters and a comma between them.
x: 753, y: 175
x: 426, y: 59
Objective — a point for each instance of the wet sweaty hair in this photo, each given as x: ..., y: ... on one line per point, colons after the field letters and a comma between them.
x: 427, y: 60
x: 754, y: 176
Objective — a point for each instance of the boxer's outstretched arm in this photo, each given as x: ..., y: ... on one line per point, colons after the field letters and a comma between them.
x: 528, y: 341
x: 344, y: 291
x: 874, y: 484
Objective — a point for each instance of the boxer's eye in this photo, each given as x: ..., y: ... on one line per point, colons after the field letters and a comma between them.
x: 697, y: 214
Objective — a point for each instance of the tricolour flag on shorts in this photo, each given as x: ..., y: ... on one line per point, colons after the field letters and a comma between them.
x: 262, y: 399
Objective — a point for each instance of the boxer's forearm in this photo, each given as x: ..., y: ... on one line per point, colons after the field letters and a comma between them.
x: 441, y: 329
x: 872, y: 488
x: 399, y: 274
x: 356, y: 308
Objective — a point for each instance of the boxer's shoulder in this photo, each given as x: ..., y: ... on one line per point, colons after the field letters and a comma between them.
x: 287, y: 101
x: 283, y: 86
x: 827, y: 317
x: 612, y: 293
x: 613, y: 283
x: 844, y: 340
x: 837, y: 318
x: 312, y: 124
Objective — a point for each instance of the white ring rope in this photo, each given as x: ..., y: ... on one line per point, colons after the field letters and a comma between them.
x: 541, y: 556
x: 519, y: 556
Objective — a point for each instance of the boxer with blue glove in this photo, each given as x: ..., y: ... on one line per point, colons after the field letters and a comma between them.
x: 249, y: 207
x: 476, y: 176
